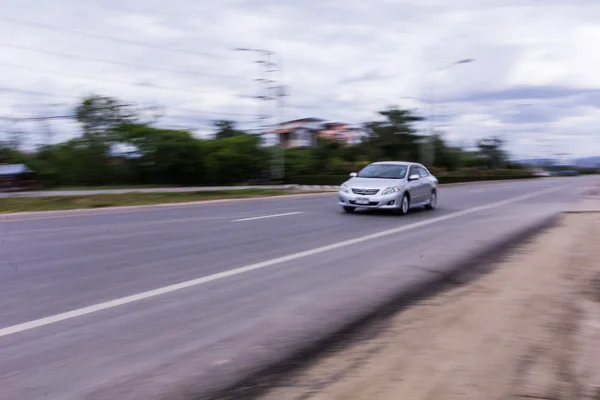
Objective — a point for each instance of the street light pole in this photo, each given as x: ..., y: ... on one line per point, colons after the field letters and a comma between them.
x: 431, y: 145
x: 278, y: 163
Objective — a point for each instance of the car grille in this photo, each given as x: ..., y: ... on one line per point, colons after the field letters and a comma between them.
x: 367, y: 192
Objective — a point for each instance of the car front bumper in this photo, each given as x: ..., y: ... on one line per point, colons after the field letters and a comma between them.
x: 388, y: 202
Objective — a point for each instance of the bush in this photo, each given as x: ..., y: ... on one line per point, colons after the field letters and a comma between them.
x: 335, y: 180
x: 589, y: 171
x: 460, y: 179
x: 337, y: 166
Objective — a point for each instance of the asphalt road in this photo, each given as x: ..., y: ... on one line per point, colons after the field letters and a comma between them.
x: 161, y: 302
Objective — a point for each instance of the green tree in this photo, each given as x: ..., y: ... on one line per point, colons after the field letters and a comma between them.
x: 394, y: 138
x: 226, y: 129
x: 445, y: 156
x: 10, y: 155
x: 492, y: 151
x: 98, y: 115
x: 74, y: 162
x: 298, y: 162
x: 236, y: 159
x: 163, y: 156
x: 322, y: 154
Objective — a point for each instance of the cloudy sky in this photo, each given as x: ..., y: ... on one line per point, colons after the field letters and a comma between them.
x: 534, y: 80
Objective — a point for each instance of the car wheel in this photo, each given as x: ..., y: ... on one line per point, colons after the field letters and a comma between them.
x: 404, y: 205
x: 349, y: 209
x: 432, y: 201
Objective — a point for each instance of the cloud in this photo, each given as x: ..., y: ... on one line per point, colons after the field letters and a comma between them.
x: 146, y: 25
x: 525, y: 93
x: 342, y: 60
x: 367, y: 76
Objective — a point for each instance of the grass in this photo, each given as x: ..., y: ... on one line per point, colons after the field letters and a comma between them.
x: 19, y: 204
x: 104, y: 187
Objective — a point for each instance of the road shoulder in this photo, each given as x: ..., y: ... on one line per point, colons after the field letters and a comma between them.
x: 100, y: 204
x: 528, y: 329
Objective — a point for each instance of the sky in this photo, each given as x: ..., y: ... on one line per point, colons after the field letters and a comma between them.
x: 533, y: 80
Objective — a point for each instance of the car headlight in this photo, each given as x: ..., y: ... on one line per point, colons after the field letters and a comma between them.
x: 391, y: 190
x: 344, y: 188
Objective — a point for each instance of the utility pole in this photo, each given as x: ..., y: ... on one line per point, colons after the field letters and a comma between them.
x: 264, y: 84
x: 262, y: 94
x: 270, y: 90
x: 281, y: 93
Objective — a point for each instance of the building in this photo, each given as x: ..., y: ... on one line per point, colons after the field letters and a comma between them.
x: 299, y: 132
x: 344, y: 133
x: 563, y: 160
x: 15, y: 176
x: 305, y: 132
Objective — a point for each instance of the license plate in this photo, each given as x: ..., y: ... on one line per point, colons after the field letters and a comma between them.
x: 362, y: 200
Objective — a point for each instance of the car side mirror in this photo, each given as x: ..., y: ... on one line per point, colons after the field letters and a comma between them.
x: 414, y: 177
x: 353, y: 174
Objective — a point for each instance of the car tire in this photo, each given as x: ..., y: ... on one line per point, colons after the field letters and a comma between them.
x: 404, y: 205
x: 432, y: 201
x: 349, y: 210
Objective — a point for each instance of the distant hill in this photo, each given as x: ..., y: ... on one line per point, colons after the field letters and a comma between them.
x: 585, y: 162
x: 588, y: 162
x: 536, y: 162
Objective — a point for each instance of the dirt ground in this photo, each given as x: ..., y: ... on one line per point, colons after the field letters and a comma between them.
x: 528, y: 329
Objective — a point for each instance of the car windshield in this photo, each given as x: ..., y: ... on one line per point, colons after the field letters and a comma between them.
x: 383, y: 171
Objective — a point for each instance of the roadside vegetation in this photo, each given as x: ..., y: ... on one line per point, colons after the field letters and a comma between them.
x: 19, y: 204
x: 118, y: 148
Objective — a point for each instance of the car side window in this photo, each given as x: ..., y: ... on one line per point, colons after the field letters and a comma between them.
x: 423, y: 172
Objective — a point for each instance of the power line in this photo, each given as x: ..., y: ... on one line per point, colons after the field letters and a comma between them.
x: 175, y: 117
x: 108, y: 38
x: 146, y: 85
x: 35, y: 93
x: 37, y: 105
x: 72, y: 117
x: 37, y: 118
x: 38, y: 93
x: 121, y: 63
x: 213, y: 112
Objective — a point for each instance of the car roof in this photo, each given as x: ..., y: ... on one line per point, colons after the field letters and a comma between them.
x: 395, y: 163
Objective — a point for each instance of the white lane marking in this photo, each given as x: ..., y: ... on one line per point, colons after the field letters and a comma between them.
x: 268, y: 216
x: 260, y: 265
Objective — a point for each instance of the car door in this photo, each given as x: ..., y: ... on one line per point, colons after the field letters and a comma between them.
x: 428, y: 182
x: 416, y: 187
x: 424, y: 184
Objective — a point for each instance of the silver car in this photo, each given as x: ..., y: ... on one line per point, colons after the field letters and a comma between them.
x: 393, y: 185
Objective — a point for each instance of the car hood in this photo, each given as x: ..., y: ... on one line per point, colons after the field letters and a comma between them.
x: 372, y: 183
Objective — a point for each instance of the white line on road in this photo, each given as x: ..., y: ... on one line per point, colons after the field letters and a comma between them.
x: 260, y: 265
x: 478, y: 191
x: 267, y: 216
